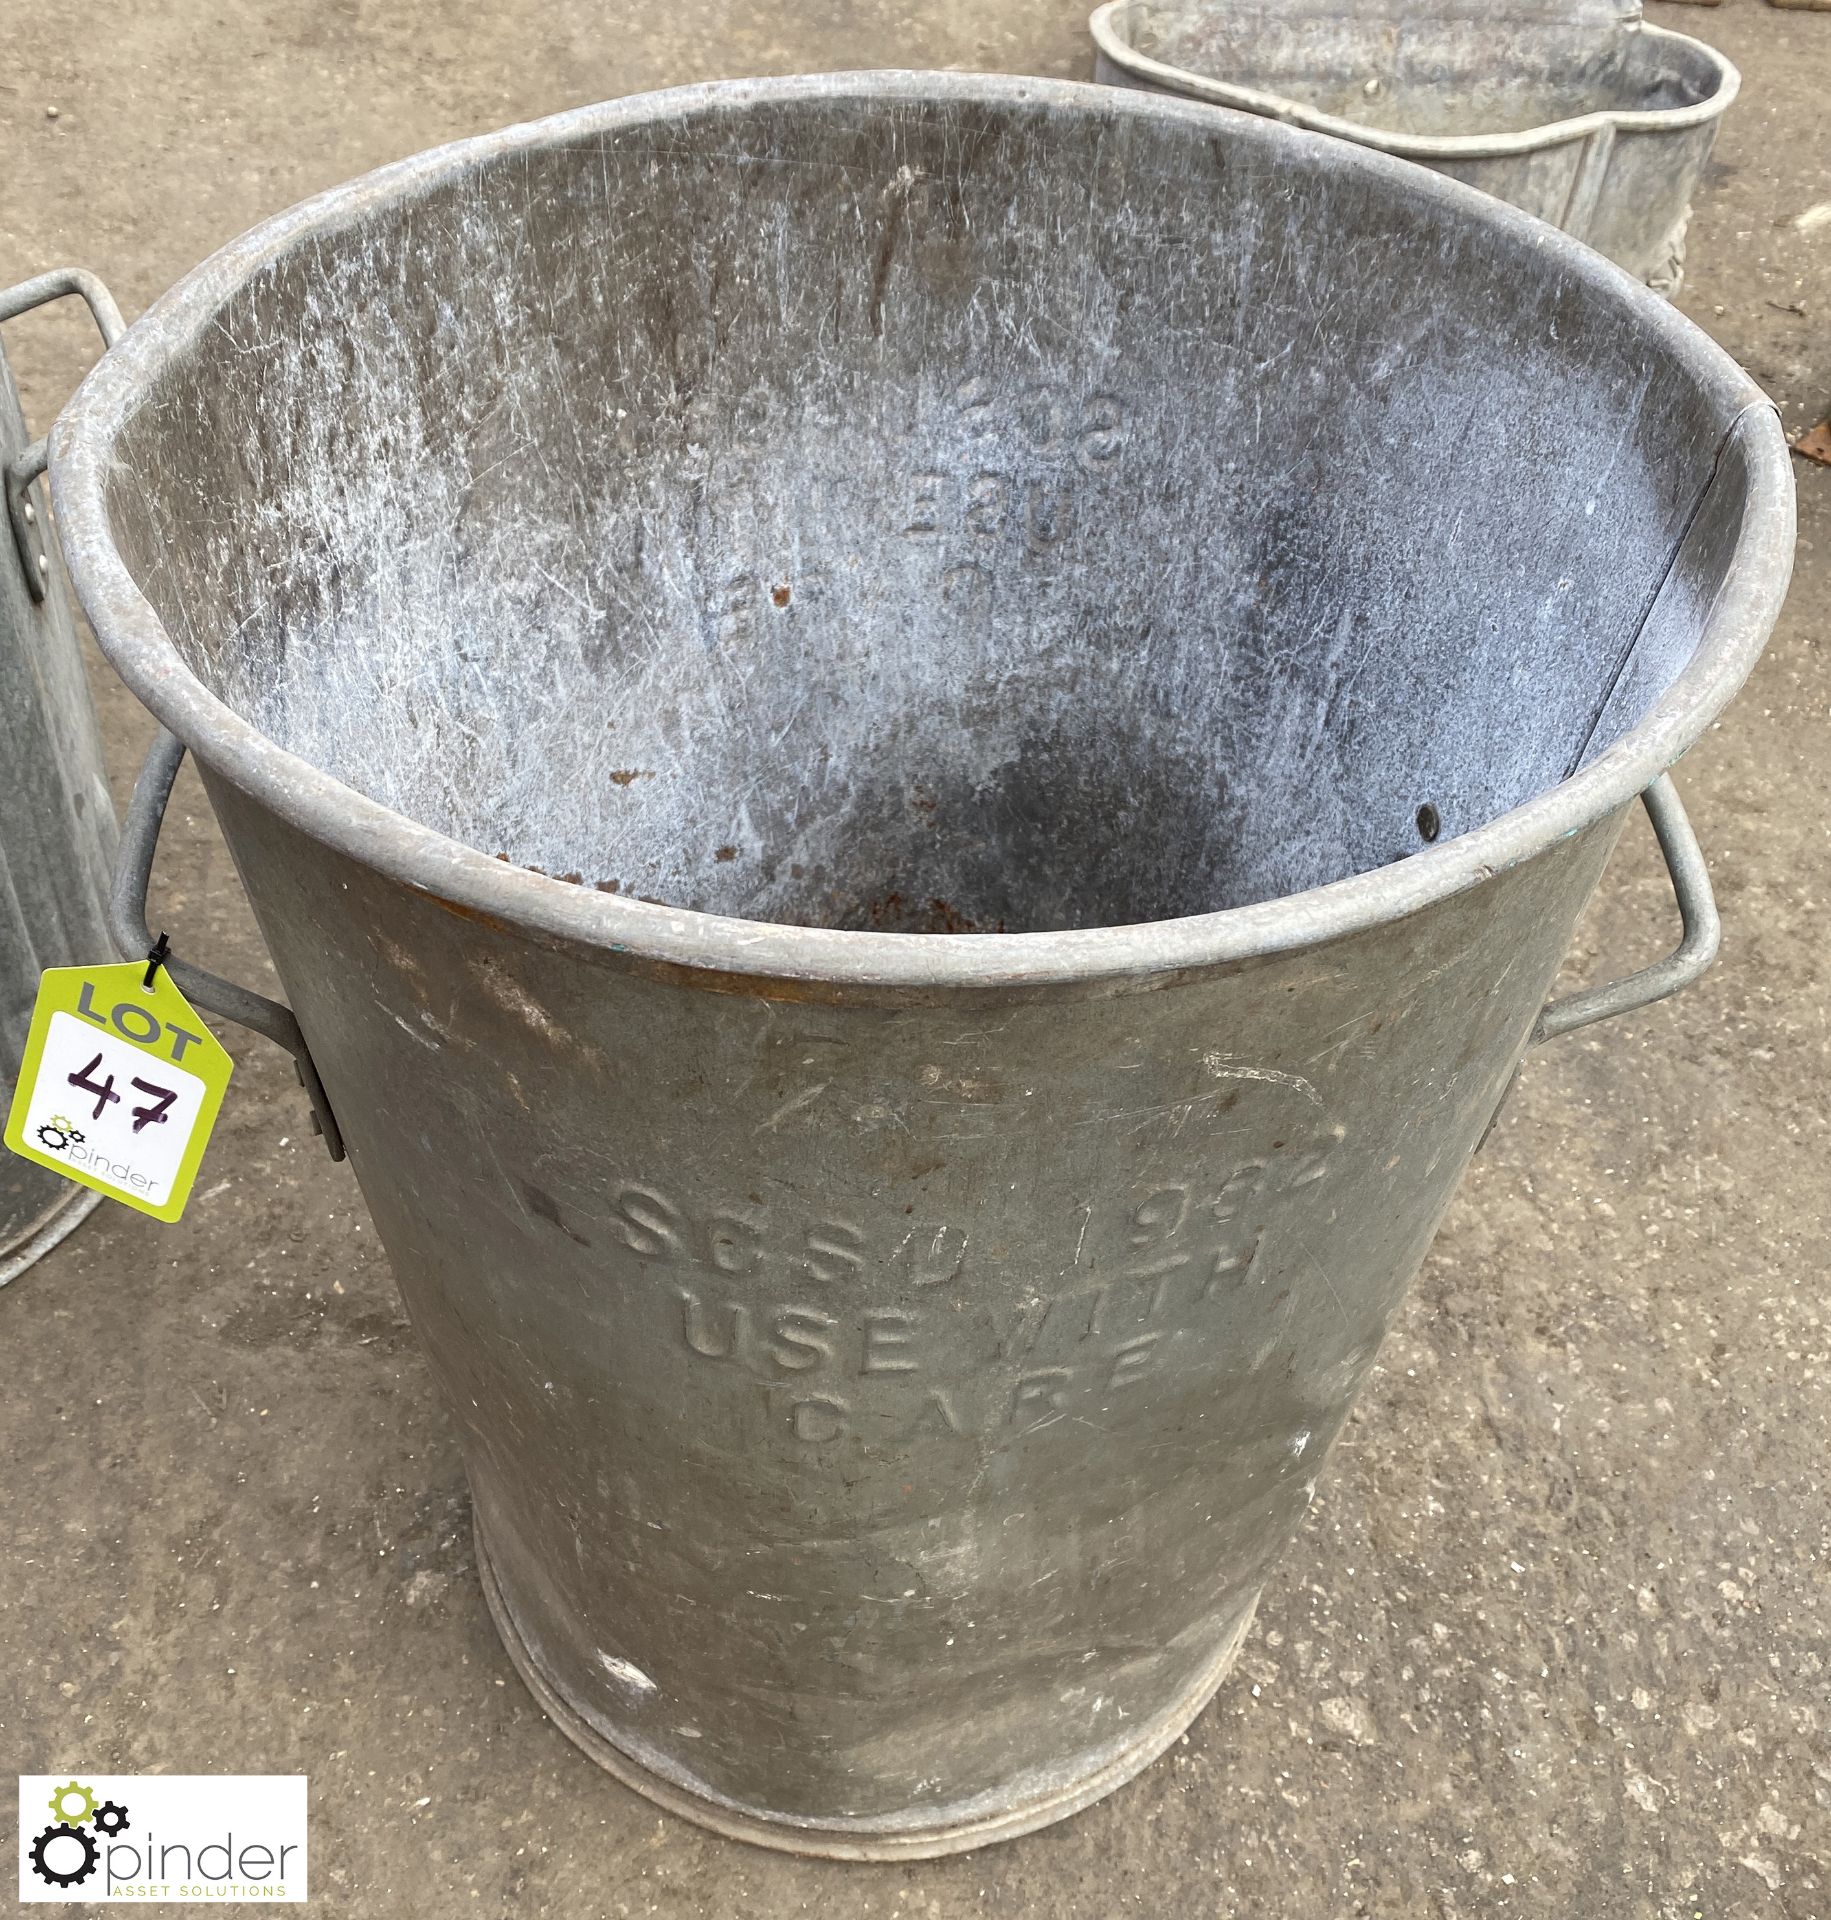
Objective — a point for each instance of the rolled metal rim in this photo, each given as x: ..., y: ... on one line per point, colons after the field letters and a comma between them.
x: 1421, y: 146
x: 137, y: 643
x: 50, y: 1229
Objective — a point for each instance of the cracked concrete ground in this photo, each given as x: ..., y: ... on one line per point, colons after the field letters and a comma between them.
x: 1554, y: 1639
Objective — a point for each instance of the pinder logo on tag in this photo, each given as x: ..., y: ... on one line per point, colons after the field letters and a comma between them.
x: 65, y: 1854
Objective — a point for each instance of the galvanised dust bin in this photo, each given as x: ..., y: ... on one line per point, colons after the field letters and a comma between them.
x: 57, y: 826
x: 635, y: 584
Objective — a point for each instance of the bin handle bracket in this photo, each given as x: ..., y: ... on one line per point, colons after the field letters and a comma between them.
x: 27, y: 521
x: 1697, y: 912
x: 127, y: 922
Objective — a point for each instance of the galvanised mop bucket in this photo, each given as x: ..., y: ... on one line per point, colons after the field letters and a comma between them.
x: 635, y: 584
x: 1576, y: 110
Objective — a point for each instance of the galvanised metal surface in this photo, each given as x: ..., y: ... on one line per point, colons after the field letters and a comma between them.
x: 1575, y: 110
x: 57, y: 829
x: 1254, y: 574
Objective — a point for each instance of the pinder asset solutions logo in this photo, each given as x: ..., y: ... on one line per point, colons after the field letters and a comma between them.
x: 162, y: 1837
x: 59, y: 1135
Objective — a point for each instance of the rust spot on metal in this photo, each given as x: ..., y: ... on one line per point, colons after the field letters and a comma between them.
x: 624, y: 776
x: 782, y: 596
x: 894, y: 912
x: 609, y: 886
x: 475, y: 915
x: 724, y: 853
x: 949, y: 919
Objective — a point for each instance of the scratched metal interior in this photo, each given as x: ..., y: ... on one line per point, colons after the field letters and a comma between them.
x: 1422, y: 71
x: 907, y: 515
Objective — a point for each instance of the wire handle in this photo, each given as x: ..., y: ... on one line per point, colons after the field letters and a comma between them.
x: 1697, y: 907
x: 29, y: 462
x: 127, y: 922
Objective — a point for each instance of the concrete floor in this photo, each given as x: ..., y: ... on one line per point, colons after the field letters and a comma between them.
x: 1554, y: 1639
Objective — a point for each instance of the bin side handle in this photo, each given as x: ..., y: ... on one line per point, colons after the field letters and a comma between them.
x: 127, y: 922
x: 29, y: 463
x: 1697, y: 910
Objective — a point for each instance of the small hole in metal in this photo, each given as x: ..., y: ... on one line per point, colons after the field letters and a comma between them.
x: 1429, y: 825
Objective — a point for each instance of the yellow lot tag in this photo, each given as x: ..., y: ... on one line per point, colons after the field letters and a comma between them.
x: 120, y: 1086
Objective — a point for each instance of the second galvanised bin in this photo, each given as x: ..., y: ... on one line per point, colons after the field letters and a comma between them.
x: 57, y: 826
x: 1575, y: 110
x: 636, y: 584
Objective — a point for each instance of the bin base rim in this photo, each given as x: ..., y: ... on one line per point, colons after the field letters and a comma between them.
x: 853, y: 1840
x: 58, y: 1221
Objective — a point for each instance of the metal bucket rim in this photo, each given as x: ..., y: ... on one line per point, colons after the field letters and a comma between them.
x: 1102, y: 23
x: 136, y: 642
